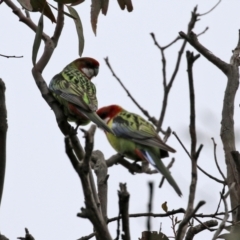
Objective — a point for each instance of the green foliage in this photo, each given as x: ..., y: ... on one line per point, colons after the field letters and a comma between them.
x: 38, y: 6
x: 79, y: 28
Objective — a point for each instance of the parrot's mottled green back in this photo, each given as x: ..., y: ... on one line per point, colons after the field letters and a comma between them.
x: 76, y: 93
x: 137, y: 139
x: 73, y: 86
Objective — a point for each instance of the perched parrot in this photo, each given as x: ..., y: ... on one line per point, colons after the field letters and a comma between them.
x: 74, y: 90
x: 136, y: 139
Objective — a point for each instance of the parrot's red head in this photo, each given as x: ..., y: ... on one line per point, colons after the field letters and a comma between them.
x: 87, y: 66
x: 109, y: 112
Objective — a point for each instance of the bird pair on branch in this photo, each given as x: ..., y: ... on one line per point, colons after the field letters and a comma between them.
x: 128, y: 133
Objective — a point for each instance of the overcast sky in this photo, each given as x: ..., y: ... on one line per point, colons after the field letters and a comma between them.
x: 42, y: 191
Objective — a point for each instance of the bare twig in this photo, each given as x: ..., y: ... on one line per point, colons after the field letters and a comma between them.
x: 210, y: 9
x: 226, y: 216
x: 192, y: 231
x: 132, y: 167
x: 207, y: 174
x: 136, y: 215
x: 223, y: 191
x: 6, y: 56
x: 3, y: 136
x: 23, y: 18
x: 28, y: 236
x: 192, y: 129
x: 173, y: 212
x: 167, y: 86
x: 175, y: 134
x: 216, y: 161
x: 87, y: 237
x: 211, y: 176
x: 201, y: 33
x: 145, y: 112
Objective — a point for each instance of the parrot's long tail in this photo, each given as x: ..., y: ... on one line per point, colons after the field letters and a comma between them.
x: 98, y: 121
x: 158, y: 164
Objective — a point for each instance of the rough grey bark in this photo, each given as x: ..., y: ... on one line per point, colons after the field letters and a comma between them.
x: 231, y: 70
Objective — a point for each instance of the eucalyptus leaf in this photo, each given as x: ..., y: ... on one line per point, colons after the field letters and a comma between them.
x: 95, y: 10
x: 67, y: 14
x: 37, y: 40
x: 105, y: 6
x: 79, y: 28
x: 68, y: 1
x: 26, y: 4
x: 38, y: 6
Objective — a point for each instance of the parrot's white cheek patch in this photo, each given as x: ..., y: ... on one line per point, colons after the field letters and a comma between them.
x: 106, y: 120
x: 89, y: 72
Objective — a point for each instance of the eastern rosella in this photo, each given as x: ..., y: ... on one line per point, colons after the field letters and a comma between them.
x: 136, y: 139
x: 73, y: 89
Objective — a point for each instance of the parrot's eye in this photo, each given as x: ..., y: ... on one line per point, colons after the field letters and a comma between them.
x: 89, y: 65
x: 103, y: 115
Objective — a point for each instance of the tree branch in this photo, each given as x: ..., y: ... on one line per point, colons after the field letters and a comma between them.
x: 101, y: 171
x: 192, y: 231
x: 3, y: 136
x: 91, y: 211
x: 28, y: 236
x: 192, y: 129
x: 23, y: 18
x: 193, y: 40
x: 186, y: 219
x: 132, y: 167
x: 6, y: 56
x: 145, y: 112
x: 124, y: 196
x: 136, y: 215
x: 227, y: 128
x: 216, y: 161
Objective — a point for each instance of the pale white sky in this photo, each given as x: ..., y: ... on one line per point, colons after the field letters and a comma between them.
x: 42, y: 191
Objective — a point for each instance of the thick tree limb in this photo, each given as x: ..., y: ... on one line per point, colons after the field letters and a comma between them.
x: 192, y: 231
x: 101, y: 171
x: 3, y: 136
x: 227, y: 128
x: 82, y: 168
